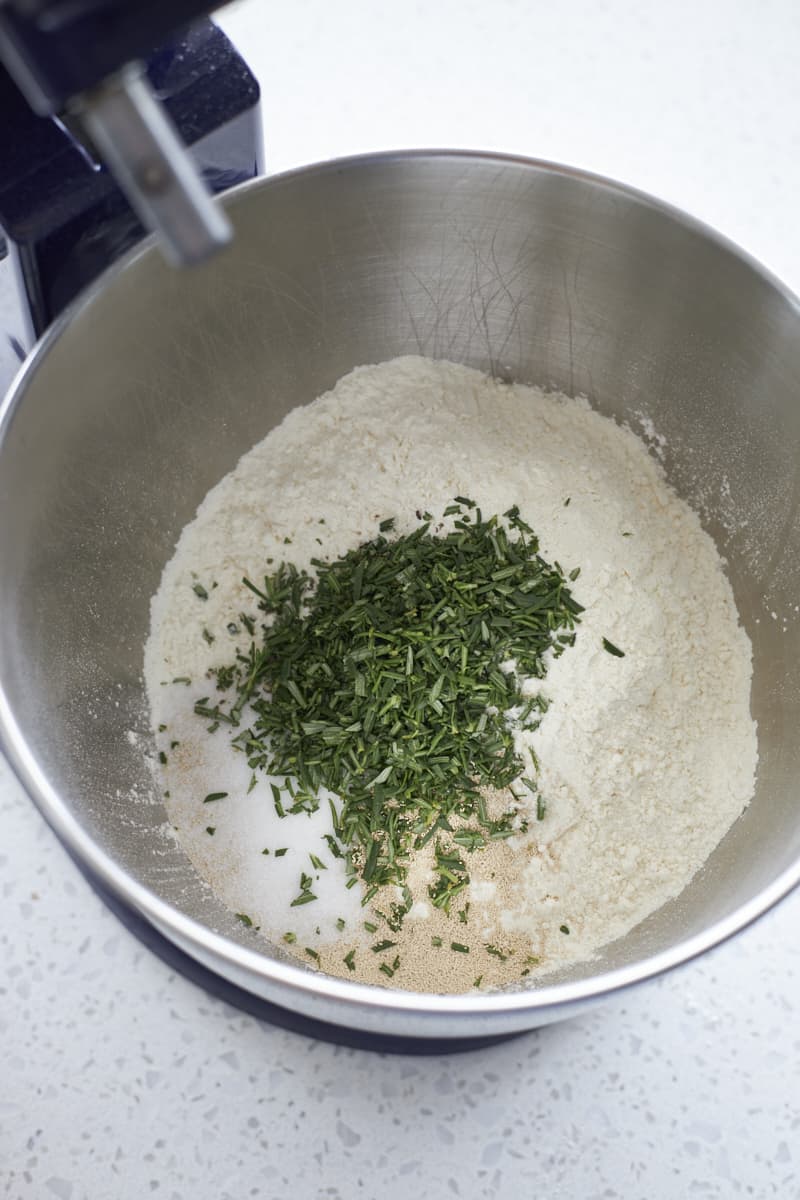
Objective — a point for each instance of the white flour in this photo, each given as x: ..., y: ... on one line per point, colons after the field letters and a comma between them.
x: 646, y: 760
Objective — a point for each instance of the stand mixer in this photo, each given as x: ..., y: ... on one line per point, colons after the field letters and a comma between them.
x: 120, y: 117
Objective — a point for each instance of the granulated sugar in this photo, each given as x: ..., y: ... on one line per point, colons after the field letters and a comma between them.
x: 645, y: 760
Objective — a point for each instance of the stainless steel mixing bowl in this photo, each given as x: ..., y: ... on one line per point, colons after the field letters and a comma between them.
x: 153, y: 385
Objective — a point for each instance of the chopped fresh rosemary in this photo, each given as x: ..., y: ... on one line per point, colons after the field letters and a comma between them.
x: 379, y: 678
x: 470, y: 839
x: 436, y: 941
x: 279, y: 853
x: 290, y: 938
x: 211, y: 830
x: 459, y: 948
x: 350, y: 960
x: 199, y: 591
x: 243, y: 917
x: 612, y: 649
x: 306, y: 895
x: 493, y: 950
x: 212, y: 796
x: 452, y: 878
x: 276, y: 796
x: 564, y: 928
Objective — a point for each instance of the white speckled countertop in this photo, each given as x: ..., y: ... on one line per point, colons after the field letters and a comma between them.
x: 122, y: 1080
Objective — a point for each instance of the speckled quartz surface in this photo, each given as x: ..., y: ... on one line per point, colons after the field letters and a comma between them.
x: 121, y: 1079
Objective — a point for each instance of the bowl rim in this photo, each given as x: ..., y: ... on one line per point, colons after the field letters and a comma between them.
x: 355, y: 1001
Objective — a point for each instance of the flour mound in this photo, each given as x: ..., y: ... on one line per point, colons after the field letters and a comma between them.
x: 645, y: 760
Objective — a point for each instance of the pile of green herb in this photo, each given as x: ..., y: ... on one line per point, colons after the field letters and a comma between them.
x: 386, y: 678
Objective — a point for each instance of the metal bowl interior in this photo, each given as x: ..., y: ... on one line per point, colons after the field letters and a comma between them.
x: 154, y: 384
